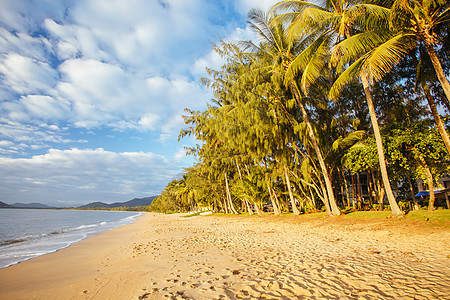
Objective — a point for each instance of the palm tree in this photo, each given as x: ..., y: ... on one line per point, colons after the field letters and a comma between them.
x: 411, y: 24
x: 335, y: 21
x: 420, y: 21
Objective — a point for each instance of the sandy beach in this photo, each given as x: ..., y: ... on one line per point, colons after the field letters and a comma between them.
x: 209, y: 257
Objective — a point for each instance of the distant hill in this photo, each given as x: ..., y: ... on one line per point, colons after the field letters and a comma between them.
x: 94, y: 205
x: 131, y: 203
x: 4, y: 205
x: 30, y: 205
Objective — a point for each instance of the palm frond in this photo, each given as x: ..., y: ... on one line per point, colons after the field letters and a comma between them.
x: 349, y: 74
x: 315, y: 65
x: 355, y: 46
x: 309, y: 21
x: 292, y: 5
x: 248, y: 46
x: 381, y: 59
x: 342, y: 144
x: 443, y: 17
x: 370, y: 16
x: 260, y: 22
x: 301, y: 61
x: 348, y: 141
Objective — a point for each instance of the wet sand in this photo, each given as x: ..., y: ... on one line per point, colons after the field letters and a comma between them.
x: 209, y: 257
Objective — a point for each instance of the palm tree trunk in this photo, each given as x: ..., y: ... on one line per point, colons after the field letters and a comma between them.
x: 416, y: 204
x: 225, y: 205
x: 346, y: 188
x: 258, y: 211
x: 332, y: 201
x: 276, y: 210
x: 358, y: 180
x: 429, y: 182
x: 370, y: 187
x: 247, y: 203
x: 249, y: 207
x: 384, y: 174
x: 291, y: 196
x: 277, y: 202
x: 230, y: 201
x: 342, y: 192
x: 353, y: 191
x: 381, y: 197
x: 375, y: 185
x: 437, y: 118
x: 438, y: 68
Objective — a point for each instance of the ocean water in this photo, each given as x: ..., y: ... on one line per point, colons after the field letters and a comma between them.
x: 27, y: 233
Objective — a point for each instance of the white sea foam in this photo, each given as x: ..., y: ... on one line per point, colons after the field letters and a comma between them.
x: 25, y: 234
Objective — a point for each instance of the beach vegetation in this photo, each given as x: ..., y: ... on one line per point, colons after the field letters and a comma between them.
x: 333, y: 110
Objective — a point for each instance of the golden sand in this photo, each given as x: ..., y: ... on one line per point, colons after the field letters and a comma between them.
x: 208, y: 257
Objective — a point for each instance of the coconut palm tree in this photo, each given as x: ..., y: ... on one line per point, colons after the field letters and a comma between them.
x: 411, y: 25
x: 329, y: 24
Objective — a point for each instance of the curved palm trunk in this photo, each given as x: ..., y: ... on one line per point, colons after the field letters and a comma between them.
x: 230, y: 201
x: 258, y: 211
x: 276, y: 209
x: 438, y: 68
x: 416, y: 204
x: 332, y: 200
x: 429, y: 182
x: 437, y: 118
x: 291, y: 195
x: 384, y: 175
x: 247, y: 203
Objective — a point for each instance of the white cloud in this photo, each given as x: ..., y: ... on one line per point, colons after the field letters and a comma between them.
x: 138, y: 34
x: 105, y: 94
x: 13, y: 14
x: 74, y: 177
x: 212, y: 60
x: 22, y: 43
x: 149, y: 121
x: 101, y: 65
x: 243, y: 6
x: 45, y: 107
x: 120, y: 64
x: 27, y: 75
x: 19, y: 137
x: 180, y: 154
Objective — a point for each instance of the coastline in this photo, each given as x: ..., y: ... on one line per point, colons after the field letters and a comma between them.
x: 209, y: 257
x: 45, y: 231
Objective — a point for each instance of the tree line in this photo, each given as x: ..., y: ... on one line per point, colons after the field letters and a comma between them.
x: 333, y: 97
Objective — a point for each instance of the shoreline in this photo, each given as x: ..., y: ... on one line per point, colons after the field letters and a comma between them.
x: 232, y: 257
x: 24, y: 247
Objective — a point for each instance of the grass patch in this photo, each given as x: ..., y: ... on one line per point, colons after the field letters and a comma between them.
x: 314, y: 215
x: 191, y: 215
x: 440, y: 215
x: 369, y: 214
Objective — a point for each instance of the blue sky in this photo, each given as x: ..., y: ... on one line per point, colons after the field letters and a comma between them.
x: 92, y: 93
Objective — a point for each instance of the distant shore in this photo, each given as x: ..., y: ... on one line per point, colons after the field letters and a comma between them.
x: 228, y: 257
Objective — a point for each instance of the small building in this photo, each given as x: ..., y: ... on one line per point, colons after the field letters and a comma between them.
x: 441, y: 191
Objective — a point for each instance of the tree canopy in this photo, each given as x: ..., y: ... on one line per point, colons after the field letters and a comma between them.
x: 327, y: 112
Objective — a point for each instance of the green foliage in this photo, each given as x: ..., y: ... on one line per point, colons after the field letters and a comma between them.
x: 258, y: 124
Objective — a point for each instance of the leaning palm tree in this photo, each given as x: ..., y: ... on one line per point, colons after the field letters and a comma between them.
x: 411, y: 25
x: 329, y: 24
x: 420, y: 21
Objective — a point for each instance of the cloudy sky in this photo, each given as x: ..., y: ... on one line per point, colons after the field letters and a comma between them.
x: 92, y: 93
